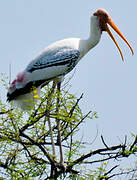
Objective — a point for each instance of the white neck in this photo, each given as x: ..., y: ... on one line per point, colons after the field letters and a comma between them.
x: 94, y: 37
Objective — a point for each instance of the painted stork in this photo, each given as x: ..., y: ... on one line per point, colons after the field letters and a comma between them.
x: 58, y: 59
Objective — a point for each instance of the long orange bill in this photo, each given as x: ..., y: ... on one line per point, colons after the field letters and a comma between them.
x: 112, y: 24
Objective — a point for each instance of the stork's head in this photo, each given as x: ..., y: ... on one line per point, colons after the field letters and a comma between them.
x: 104, y: 20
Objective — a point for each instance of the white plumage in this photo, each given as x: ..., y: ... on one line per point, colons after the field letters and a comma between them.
x: 58, y: 59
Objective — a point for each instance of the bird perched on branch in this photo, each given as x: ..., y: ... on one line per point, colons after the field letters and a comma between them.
x: 58, y: 59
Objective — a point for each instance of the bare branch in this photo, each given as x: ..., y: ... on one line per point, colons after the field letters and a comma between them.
x: 98, y: 151
x: 134, y: 143
x: 104, y: 142
x: 73, y: 108
x: 122, y: 173
x: 76, y: 126
x: 111, y: 170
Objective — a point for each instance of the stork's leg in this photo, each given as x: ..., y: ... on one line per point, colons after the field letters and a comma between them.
x: 52, y: 139
x: 58, y: 124
x: 48, y: 118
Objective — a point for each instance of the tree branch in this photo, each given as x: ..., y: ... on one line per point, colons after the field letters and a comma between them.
x: 98, y: 151
x: 40, y: 147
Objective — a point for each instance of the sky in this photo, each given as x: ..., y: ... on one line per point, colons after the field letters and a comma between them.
x: 109, y: 85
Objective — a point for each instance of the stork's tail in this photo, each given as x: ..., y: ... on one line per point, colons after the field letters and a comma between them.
x: 22, y: 93
x: 27, y: 101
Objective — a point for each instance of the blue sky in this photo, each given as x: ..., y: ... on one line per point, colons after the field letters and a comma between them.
x: 109, y: 85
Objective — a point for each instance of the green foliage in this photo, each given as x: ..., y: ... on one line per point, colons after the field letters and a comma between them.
x: 23, y: 159
x: 26, y: 149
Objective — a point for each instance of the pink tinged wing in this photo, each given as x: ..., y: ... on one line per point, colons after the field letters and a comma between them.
x: 19, y: 82
x: 12, y: 86
x: 21, y: 79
